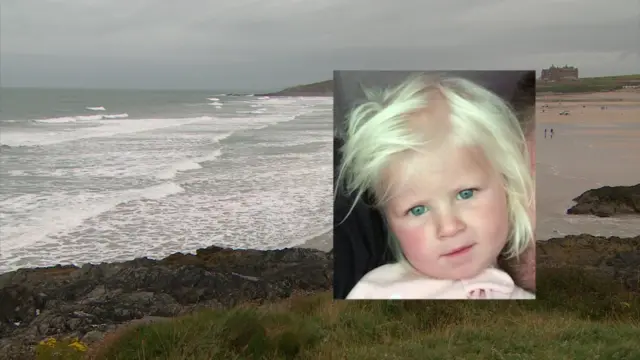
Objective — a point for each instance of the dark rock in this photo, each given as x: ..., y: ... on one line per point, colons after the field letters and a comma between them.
x: 618, y: 257
x: 323, y: 88
x: 92, y: 336
x: 88, y: 301
x: 93, y: 300
x: 608, y: 201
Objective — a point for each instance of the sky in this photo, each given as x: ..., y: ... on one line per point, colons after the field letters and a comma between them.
x: 270, y: 44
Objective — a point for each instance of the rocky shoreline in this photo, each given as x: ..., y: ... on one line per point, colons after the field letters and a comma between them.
x: 322, y: 88
x: 89, y: 301
x: 608, y: 201
x: 618, y: 258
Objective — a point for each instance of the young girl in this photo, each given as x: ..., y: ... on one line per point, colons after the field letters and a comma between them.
x: 448, y: 165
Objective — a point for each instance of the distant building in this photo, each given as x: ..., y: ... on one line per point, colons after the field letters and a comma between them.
x: 556, y: 73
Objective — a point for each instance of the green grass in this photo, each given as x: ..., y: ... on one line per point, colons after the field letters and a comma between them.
x: 576, y: 316
x: 617, y: 78
x: 595, y: 84
x: 582, y: 85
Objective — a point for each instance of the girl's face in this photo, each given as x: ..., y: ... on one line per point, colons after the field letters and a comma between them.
x: 449, y: 212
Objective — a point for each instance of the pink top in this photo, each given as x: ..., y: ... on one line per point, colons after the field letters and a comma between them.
x: 399, y: 281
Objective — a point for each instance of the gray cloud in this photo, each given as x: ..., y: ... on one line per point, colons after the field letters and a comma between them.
x: 262, y: 45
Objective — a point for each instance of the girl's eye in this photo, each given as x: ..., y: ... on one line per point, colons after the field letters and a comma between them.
x: 466, y: 194
x: 418, y: 210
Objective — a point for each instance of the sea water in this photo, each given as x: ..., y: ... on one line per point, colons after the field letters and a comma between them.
x: 108, y: 175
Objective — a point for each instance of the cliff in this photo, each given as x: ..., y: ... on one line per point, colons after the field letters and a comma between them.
x: 322, y: 88
x: 325, y: 88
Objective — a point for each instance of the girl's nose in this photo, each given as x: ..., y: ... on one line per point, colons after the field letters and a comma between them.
x: 448, y: 224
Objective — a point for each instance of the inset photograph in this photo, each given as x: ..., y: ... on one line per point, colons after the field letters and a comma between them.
x: 434, y: 185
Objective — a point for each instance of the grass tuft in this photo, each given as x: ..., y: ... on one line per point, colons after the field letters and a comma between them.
x: 578, y: 315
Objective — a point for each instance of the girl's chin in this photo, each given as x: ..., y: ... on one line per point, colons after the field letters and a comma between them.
x: 460, y: 273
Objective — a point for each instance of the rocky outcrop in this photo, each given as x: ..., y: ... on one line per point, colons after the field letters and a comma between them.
x: 323, y: 88
x: 608, y: 201
x: 86, y: 302
x: 613, y: 256
x: 89, y: 301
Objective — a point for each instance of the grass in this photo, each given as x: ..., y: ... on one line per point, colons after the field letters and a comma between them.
x: 576, y: 316
x: 582, y: 85
x: 595, y: 84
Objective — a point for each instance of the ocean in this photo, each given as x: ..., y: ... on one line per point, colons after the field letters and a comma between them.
x: 110, y: 175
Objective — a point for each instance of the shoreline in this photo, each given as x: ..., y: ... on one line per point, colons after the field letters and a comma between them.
x: 96, y: 300
x: 562, y: 179
x: 321, y: 244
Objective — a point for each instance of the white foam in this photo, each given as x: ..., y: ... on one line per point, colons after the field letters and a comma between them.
x: 70, y: 119
x: 217, y: 138
x: 257, y: 112
x: 213, y: 99
x: 59, y: 120
x: 186, y: 165
x: 56, y: 213
x: 89, y: 117
x: 116, y: 116
x: 260, y: 202
x: 217, y: 103
x: 95, y: 108
x: 107, y: 128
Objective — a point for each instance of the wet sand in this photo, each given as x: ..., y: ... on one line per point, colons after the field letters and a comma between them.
x: 591, y: 147
x: 322, y: 242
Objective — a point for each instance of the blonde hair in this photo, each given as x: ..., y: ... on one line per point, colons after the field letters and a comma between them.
x: 377, y: 130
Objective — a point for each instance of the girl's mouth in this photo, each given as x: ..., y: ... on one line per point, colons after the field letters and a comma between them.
x: 459, y: 251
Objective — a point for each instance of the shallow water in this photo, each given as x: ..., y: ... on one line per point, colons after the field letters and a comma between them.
x: 579, y: 158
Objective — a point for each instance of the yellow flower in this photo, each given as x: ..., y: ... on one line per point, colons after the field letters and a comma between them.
x: 78, y: 346
x: 50, y: 342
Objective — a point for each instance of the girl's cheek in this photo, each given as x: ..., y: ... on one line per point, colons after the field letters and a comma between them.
x: 412, y: 239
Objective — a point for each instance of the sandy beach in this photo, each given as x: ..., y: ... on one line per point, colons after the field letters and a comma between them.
x: 596, y: 144
x: 322, y: 242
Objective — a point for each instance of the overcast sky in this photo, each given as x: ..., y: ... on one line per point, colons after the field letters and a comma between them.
x: 268, y: 44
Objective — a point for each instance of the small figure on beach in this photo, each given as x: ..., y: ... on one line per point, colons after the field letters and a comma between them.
x: 545, y: 133
x: 453, y: 183
x: 551, y: 133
